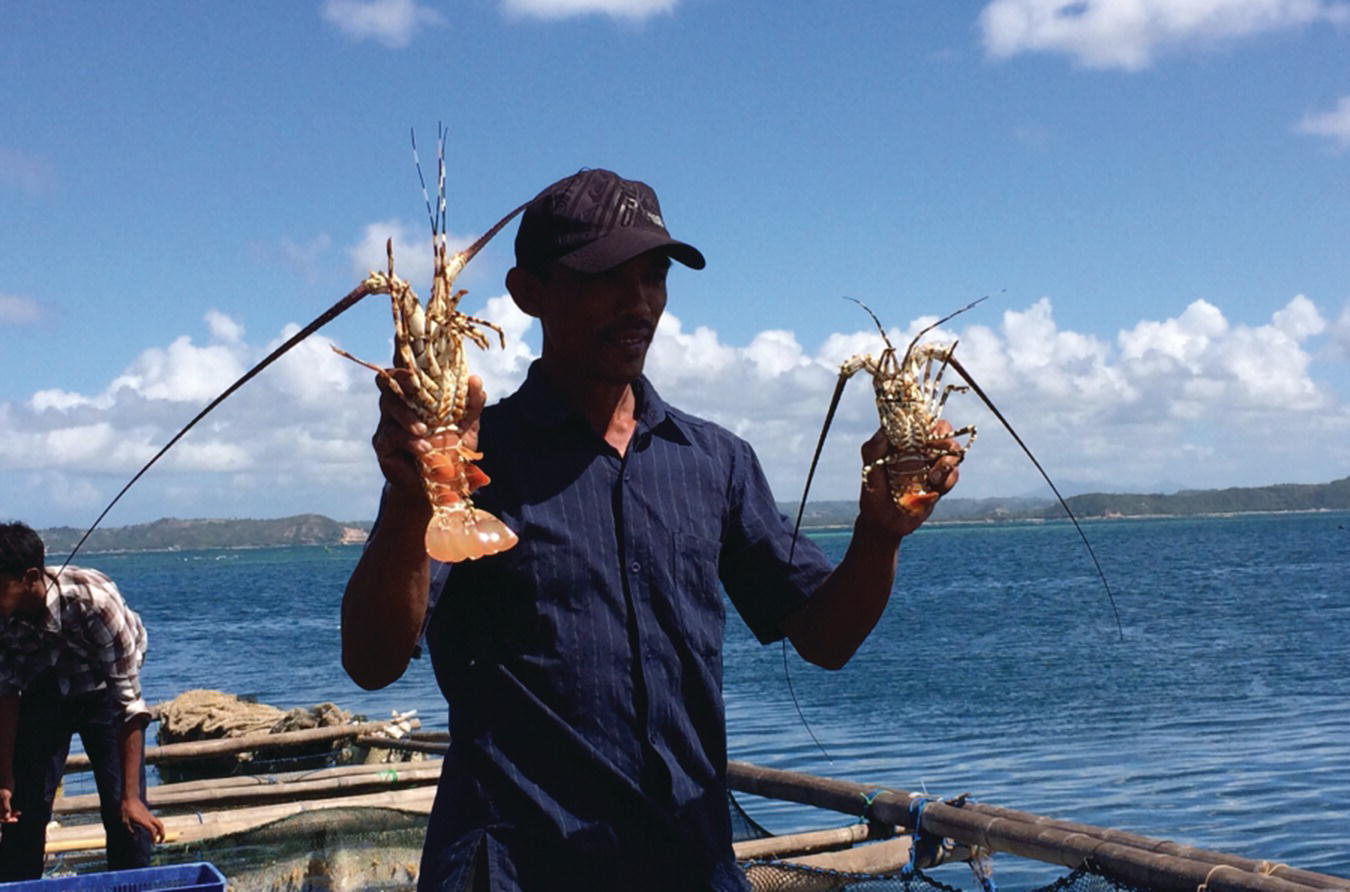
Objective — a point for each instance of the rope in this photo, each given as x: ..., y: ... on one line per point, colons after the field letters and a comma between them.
x: 202, y: 714
x: 866, y: 816
x: 1204, y: 884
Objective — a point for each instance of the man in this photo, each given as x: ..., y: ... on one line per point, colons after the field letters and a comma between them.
x: 70, y: 656
x: 583, y: 667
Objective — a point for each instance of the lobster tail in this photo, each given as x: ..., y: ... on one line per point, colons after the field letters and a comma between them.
x: 465, y: 533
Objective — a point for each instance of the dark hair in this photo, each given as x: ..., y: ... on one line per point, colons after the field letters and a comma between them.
x: 21, y: 549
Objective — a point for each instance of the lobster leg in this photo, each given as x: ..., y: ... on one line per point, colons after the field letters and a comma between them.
x: 960, y: 370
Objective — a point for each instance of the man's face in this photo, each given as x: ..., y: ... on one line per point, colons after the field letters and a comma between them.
x: 21, y: 594
x: 598, y: 326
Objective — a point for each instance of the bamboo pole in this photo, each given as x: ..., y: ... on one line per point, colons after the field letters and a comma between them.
x: 378, y: 777
x: 257, y: 780
x: 803, y: 843
x: 90, y: 843
x: 210, y: 824
x: 1136, y: 864
x: 227, y: 745
x: 403, y: 745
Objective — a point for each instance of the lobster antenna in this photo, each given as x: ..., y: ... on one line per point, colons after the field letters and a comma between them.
x: 421, y: 179
x: 815, y: 459
x: 1062, y: 501
x: 441, y: 132
x: 914, y: 343
x: 800, y: 715
x: 874, y: 319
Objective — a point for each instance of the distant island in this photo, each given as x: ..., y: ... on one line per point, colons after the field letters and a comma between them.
x: 1333, y: 496
x: 171, y: 534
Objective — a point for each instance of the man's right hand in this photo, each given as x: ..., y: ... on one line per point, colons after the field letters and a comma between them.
x: 401, y: 437
x: 7, y: 813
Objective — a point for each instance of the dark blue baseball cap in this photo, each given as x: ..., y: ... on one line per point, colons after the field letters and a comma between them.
x: 593, y: 221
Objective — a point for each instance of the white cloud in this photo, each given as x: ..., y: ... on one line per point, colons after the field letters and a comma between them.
x: 559, y: 9
x: 15, y: 309
x: 1127, y: 34
x: 414, y: 259
x: 1340, y: 334
x: 1333, y: 124
x: 181, y: 372
x: 223, y: 328
x: 1299, y: 320
x: 392, y: 23
x: 1193, y: 398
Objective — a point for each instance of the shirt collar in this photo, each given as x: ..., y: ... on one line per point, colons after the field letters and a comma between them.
x: 51, y: 619
x: 538, y: 403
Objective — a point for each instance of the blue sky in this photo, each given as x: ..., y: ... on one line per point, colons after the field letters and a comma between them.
x: 1156, y: 195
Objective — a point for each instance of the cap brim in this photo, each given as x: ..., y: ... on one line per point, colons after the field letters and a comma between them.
x: 622, y: 245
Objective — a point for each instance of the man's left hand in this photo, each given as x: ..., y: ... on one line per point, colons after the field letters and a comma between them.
x: 135, y: 814
x: 877, y: 508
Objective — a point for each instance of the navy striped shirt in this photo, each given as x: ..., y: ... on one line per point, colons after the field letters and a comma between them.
x: 583, y: 667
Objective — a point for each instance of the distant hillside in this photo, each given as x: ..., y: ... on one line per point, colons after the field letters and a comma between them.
x: 1333, y: 496
x: 172, y: 533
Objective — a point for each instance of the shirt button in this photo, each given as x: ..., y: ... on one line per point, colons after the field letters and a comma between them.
x: 635, y: 566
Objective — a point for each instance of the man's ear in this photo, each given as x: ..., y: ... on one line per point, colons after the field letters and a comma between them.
x: 526, y: 290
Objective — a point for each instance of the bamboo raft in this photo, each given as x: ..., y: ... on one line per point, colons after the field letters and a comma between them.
x: 198, y: 812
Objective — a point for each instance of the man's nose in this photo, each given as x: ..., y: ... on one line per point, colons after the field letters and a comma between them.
x: 638, y: 295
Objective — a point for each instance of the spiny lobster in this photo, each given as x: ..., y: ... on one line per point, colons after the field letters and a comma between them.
x: 910, y: 398
x: 446, y: 475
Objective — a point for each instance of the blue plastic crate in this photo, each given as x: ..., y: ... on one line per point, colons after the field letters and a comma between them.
x: 195, y: 877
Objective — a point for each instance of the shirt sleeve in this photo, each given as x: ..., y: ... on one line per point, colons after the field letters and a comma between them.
x: 117, y: 641
x: 766, y: 578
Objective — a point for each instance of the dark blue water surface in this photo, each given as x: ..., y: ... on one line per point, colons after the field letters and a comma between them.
x: 1221, y: 720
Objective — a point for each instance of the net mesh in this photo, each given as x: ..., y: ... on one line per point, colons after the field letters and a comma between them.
x: 780, y: 876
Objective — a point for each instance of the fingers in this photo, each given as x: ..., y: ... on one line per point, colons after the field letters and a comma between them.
x: 392, y: 405
x: 874, y: 448
x: 140, y: 816
x: 477, y: 399
x: 942, y: 476
x: 8, y: 814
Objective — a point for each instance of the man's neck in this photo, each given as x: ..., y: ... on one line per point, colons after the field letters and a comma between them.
x: 610, y: 408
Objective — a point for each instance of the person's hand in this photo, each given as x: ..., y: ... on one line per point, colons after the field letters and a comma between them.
x: 7, y: 813
x: 401, y: 437
x: 135, y: 814
x: 875, y: 505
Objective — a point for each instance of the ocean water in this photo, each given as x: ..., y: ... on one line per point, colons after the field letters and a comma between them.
x: 1221, y: 720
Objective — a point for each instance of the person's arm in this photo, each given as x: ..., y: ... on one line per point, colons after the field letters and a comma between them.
x: 134, y: 811
x: 385, y: 601
x: 9, y: 726
x: 828, y: 629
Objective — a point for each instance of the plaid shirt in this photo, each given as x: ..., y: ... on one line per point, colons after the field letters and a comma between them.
x: 86, y: 635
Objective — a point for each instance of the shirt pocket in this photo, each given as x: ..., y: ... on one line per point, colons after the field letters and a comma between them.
x: 698, y: 608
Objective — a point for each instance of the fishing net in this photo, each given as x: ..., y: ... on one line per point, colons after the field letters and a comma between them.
x: 212, y: 715
x: 332, y: 849
x: 780, y: 876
